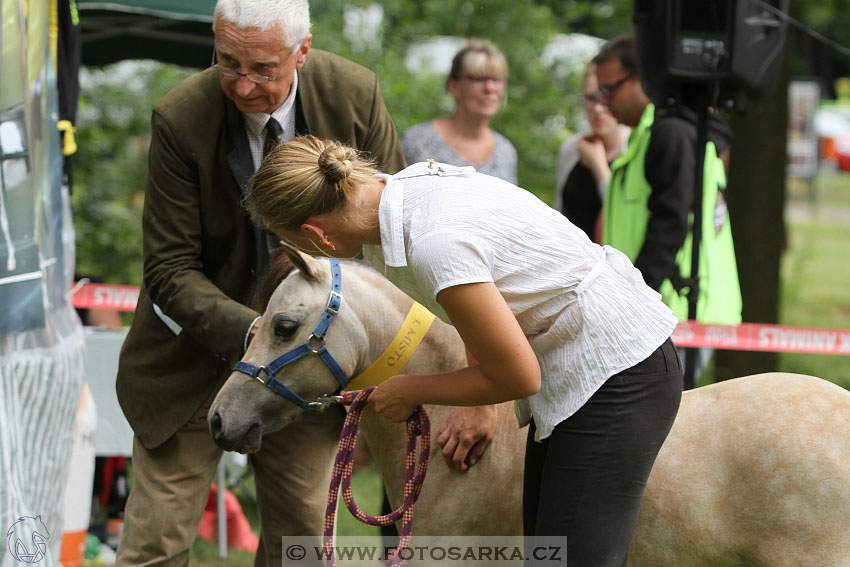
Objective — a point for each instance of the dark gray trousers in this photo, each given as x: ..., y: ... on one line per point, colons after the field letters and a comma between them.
x: 586, y: 480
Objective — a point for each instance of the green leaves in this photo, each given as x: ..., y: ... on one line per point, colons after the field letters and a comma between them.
x: 543, y: 106
x: 110, y: 166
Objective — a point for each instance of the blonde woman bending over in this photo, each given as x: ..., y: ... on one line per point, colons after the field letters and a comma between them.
x: 562, y: 325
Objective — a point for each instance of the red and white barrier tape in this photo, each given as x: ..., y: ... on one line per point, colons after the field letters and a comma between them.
x: 763, y: 337
x: 105, y: 296
x: 746, y: 336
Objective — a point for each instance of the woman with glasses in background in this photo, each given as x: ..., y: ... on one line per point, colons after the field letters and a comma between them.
x: 584, y: 161
x: 477, y: 81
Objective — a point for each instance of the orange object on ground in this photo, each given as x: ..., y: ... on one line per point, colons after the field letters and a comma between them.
x: 73, y: 548
x: 239, y: 534
x: 827, y: 149
x: 78, y: 488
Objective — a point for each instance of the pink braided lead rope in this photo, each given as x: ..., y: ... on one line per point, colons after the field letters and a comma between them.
x: 414, y: 475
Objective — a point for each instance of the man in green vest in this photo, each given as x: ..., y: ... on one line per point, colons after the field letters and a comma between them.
x: 647, y: 212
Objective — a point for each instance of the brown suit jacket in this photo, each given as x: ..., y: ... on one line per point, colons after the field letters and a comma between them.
x: 202, y: 254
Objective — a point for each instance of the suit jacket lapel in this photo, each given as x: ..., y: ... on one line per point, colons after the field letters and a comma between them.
x: 242, y: 165
x: 301, y: 127
x: 239, y: 156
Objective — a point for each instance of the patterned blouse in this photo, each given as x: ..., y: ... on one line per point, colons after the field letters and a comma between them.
x: 421, y: 142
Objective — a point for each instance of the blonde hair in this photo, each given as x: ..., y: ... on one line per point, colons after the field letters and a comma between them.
x: 478, y: 57
x: 304, y: 177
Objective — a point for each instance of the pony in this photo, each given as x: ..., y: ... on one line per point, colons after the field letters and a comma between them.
x: 369, y: 316
x: 754, y: 471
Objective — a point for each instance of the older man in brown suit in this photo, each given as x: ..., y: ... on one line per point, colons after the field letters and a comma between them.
x: 203, y: 257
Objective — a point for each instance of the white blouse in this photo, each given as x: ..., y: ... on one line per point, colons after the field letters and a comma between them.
x: 585, y: 309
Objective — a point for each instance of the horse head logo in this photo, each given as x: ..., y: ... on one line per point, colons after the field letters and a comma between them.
x: 28, y: 539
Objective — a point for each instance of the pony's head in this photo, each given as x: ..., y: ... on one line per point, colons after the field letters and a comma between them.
x: 245, y: 409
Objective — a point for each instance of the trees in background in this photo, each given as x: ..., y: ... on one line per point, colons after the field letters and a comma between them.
x: 110, y: 166
x: 543, y: 106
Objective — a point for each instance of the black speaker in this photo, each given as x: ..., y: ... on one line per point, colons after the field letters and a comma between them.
x: 726, y: 53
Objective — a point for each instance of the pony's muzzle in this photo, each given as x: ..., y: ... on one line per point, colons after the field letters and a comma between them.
x: 242, y: 442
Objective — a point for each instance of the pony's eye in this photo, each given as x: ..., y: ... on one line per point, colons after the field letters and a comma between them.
x: 285, y: 327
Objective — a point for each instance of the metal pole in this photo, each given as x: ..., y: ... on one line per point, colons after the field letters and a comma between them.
x: 221, y: 513
x: 692, y: 354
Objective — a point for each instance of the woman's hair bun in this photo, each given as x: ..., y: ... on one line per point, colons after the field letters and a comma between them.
x: 336, y: 162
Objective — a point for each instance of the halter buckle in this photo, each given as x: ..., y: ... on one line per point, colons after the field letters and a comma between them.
x: 334, y: 302
x: 324, y: 402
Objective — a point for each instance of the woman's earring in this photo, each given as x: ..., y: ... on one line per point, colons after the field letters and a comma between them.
x: 328, y: 243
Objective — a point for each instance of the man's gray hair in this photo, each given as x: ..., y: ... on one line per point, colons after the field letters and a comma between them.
x: 292, y: 15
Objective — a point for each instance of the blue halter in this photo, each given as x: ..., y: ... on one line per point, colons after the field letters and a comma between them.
x: 316, y: 338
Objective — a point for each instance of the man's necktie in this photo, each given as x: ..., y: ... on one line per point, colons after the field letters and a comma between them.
x: 273, y: 134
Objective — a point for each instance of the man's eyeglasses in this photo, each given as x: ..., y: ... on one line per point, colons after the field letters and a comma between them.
x: 607, y: 91
x: 253, y: 77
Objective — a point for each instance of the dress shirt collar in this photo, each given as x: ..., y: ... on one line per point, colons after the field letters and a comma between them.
x: 256, y: 122
x: 391, y: 219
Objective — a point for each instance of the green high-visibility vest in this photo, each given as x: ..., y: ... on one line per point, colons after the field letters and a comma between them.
x: 625, y: 216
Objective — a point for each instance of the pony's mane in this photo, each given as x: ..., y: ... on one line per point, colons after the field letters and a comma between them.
x: 280, y: 269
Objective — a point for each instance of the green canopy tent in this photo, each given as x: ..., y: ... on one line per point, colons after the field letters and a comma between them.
x: 165, y: 30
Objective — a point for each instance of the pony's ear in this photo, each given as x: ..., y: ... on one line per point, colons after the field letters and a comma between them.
x: 302, y: 262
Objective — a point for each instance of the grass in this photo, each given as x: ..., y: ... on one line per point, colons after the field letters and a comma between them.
x: 815, y: 271
x: 829, y: 189
x: 814, y: 275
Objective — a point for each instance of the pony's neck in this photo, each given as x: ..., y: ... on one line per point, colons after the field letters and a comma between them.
x: 381, y: 317
x: 381, y: 313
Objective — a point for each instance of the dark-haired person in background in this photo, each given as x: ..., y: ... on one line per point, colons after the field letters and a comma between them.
x: 584, y: 161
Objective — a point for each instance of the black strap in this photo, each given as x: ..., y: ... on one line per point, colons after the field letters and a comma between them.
x: 273, y: 138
